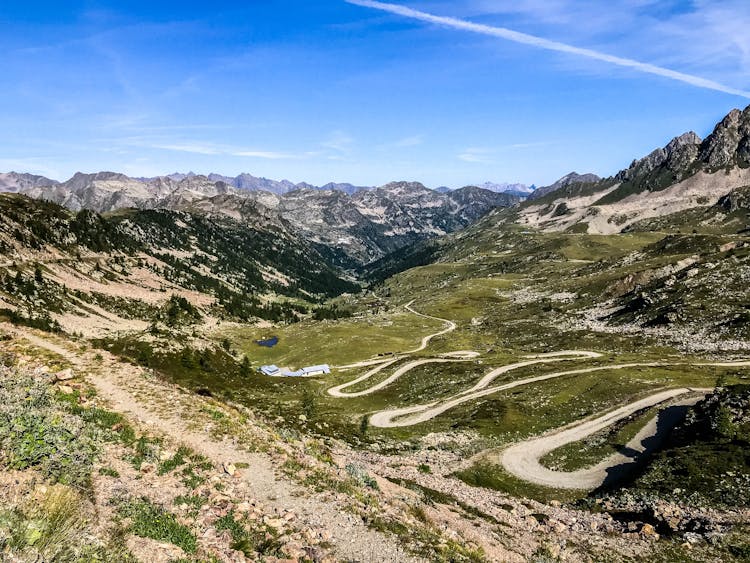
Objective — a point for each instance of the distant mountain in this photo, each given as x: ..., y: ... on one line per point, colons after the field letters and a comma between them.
x: 443, y: 190
x: 254, y: 183
x: 519, y: 189
x: 250, y: 182
x: 15, y: 182
x: 346, y: 188
x: 108, y: 191
x: 365, y: 226
x: 568, y: 179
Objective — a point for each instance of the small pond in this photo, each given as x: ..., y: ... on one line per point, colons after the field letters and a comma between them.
x: 269, y: 342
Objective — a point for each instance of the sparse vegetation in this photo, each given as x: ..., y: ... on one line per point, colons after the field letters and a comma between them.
x: 151, y: 521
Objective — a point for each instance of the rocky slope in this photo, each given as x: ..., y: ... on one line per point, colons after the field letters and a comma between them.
x: 687, y: 173
x: 371, y: 223
x: 567, y: 180
x: 83, y: 271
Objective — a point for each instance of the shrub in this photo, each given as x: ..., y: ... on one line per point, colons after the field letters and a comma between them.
x: 47, y: 527
x: 258, y: 541
x: 361, y: 476
x: 37, y: 432
x: 154, y: 522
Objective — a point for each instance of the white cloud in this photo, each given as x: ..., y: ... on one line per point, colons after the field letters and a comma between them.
x: 339, y: 141
x: 195, y: 149
x: 413, y: 141
x: 213, y: 150
x: 542, y: 43
x: 477, y: 155
x: 488, y: 155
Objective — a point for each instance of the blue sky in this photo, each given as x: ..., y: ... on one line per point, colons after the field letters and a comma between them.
x: 351, y: 91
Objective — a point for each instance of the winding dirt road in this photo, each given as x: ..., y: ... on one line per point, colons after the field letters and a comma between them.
x: 417, y: 414
x: 522, y: 459
x: 337, y: 391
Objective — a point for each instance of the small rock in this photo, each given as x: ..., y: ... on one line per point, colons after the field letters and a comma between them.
x: 147, y: 467
x: 273, y: 522
x: 230, y: 469
x: 692, y: 538
x: 67, y: 389
x: 649, y: 531
x: 64, y: 375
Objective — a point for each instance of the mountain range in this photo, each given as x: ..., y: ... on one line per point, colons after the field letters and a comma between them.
x: 13, y: 182
x: 353, y: 228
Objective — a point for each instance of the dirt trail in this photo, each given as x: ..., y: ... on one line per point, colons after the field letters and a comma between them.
x: 522, y: 459
x: 126, y: 389
x: 451, y: 326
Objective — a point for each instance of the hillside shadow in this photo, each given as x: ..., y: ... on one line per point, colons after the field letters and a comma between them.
x: 624, y: 472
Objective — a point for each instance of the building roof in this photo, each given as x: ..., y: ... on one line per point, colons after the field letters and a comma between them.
x: 274, y: 370
x: 323, y: 367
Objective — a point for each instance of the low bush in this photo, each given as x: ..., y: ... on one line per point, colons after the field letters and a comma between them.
x: 37, y: 431
x: 45, y: 528
x: 151, y: 521
x: 250, y: 542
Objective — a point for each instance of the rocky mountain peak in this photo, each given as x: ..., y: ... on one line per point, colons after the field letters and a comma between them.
x: 81, y: 180
x: 729, y: 144
x: 677, y: 156
x: 686, y: 139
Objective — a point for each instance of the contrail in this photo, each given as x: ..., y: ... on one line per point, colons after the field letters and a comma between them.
x: 542, y: 43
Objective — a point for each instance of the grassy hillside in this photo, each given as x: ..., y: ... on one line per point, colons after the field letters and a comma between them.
x: 125, y: 265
